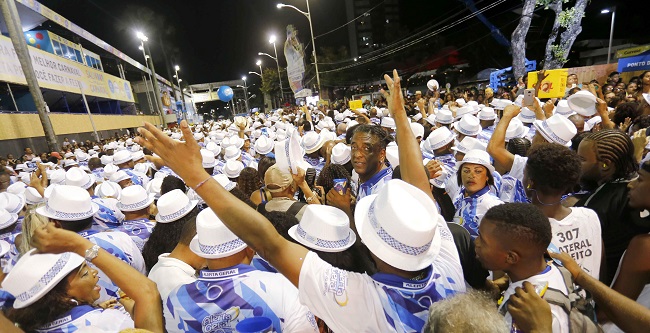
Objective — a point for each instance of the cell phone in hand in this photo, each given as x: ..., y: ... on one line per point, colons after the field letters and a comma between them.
x: 529, y: 97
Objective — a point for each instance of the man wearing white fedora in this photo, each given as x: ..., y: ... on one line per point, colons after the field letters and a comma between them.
x: 230, y: 290
x: 556, y: 129
x: 124, y: 161
x: 135, y: 203
x: 410, y: 243
x: 71, y: 208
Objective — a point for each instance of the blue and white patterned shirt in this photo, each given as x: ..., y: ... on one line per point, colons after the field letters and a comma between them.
x: 86, y: 316
x: 470, y: 210
x: 375, y: 183
x: 139, y: 230
x: 512, y: 188
x: 353, y: 302
x: 219, y: 299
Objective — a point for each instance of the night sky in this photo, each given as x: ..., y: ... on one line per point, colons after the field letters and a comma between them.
x: 219, y: 39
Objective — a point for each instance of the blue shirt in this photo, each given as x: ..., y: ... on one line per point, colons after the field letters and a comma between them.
x: 139, y: 230
x: 219, y: 299
x: 109, y: 320
x: 376, y: 182
x: 470, y: 210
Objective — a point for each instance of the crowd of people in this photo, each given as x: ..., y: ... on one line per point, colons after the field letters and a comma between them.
x: 442, y: 212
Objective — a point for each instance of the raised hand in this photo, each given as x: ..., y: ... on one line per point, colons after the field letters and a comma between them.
x: 394, y: 96
x: 529, y: 311
x: 50, y: 239
x: 639, y: 140
x: 434, y: 168
x: 625, y: 124
x: 511, y: 111
x: 182, y: 157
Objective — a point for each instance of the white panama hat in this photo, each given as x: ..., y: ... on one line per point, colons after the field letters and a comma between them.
x: 13, y: 203
x: 477, y: 156
x: 77, y: 177
x: 583, y: 102
x: 324, y: 228
x: 35, y: 274
x: 341, y: 153
x: 213, y: 239
x: 557, y: 129
x: 174, y: 205
x: 407, y: 239
x: 134, y: 198
x: 68, y: 203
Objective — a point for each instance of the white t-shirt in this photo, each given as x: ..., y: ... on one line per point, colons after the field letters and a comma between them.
x: 169, y: 273
x: 353, y: 302
x: 579, y: 235
x: 553, y: 277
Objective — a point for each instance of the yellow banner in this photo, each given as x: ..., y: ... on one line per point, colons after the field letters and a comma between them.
x: 553, y: 86
x: 356, y: 104
x: 58, y: 73
x: 632, y: 51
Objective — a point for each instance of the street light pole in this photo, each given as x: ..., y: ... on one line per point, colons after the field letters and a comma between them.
x: 10, y: 15
x: 146, y: 85
x: 246, y: 94
x: 156, y: 87
x: 180, y: 90
x: 313, y: 43
x: 611, y: 31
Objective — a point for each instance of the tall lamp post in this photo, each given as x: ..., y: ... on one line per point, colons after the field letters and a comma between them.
x: 246, y: 93
x: 156, y: 87
x: 313, y: 43
x: 611, y: 30
x: 180, y: 90
x: 272, y: 41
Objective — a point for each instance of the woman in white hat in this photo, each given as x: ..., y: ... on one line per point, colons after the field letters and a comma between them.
x: 174, y: 209
x: 475, y: 176
x: 55, y: 289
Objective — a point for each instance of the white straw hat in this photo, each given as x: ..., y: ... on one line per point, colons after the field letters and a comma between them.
x: 469, y: 143
x: 407, y: 239
x: 341, y: 153
x: 440, y: 137
x: 208, y: 160
x: 174, y: 205
x: 32, y: 197
x: 68, y: 203
x: 444, y: 117
x: 324, y: 228
x: 77, y: 177
x: 557, y: 129
x: 263, y: 145
x: 134, y: 198
x: 468, y: 125
x: 213, y: 239
x: 583, y: 102
x: 233, y: 168
x: 11, y: 202
x: 35, y: 274
x: 477, y: 156
x: 311, y: 142
x: 7, y: 218
x: 232, y: 153
x: 122, y: 156
x: 108, y: 189
x: 516, y: 129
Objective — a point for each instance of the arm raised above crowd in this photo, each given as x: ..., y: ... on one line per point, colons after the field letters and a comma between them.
x: 410, y: 155
x: 503, y: 159
x: 627, y: 314
x: 249, y: 225
x: 147, y: 312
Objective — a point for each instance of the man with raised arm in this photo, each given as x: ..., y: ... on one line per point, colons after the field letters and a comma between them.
x: 410, y: 243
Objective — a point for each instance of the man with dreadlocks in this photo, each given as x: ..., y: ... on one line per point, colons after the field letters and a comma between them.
x: 608, y: 165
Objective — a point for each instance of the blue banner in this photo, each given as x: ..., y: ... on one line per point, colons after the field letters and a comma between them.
x: 640, y: 62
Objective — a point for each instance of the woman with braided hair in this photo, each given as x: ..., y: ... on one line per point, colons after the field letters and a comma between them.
x: 608, y: 165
